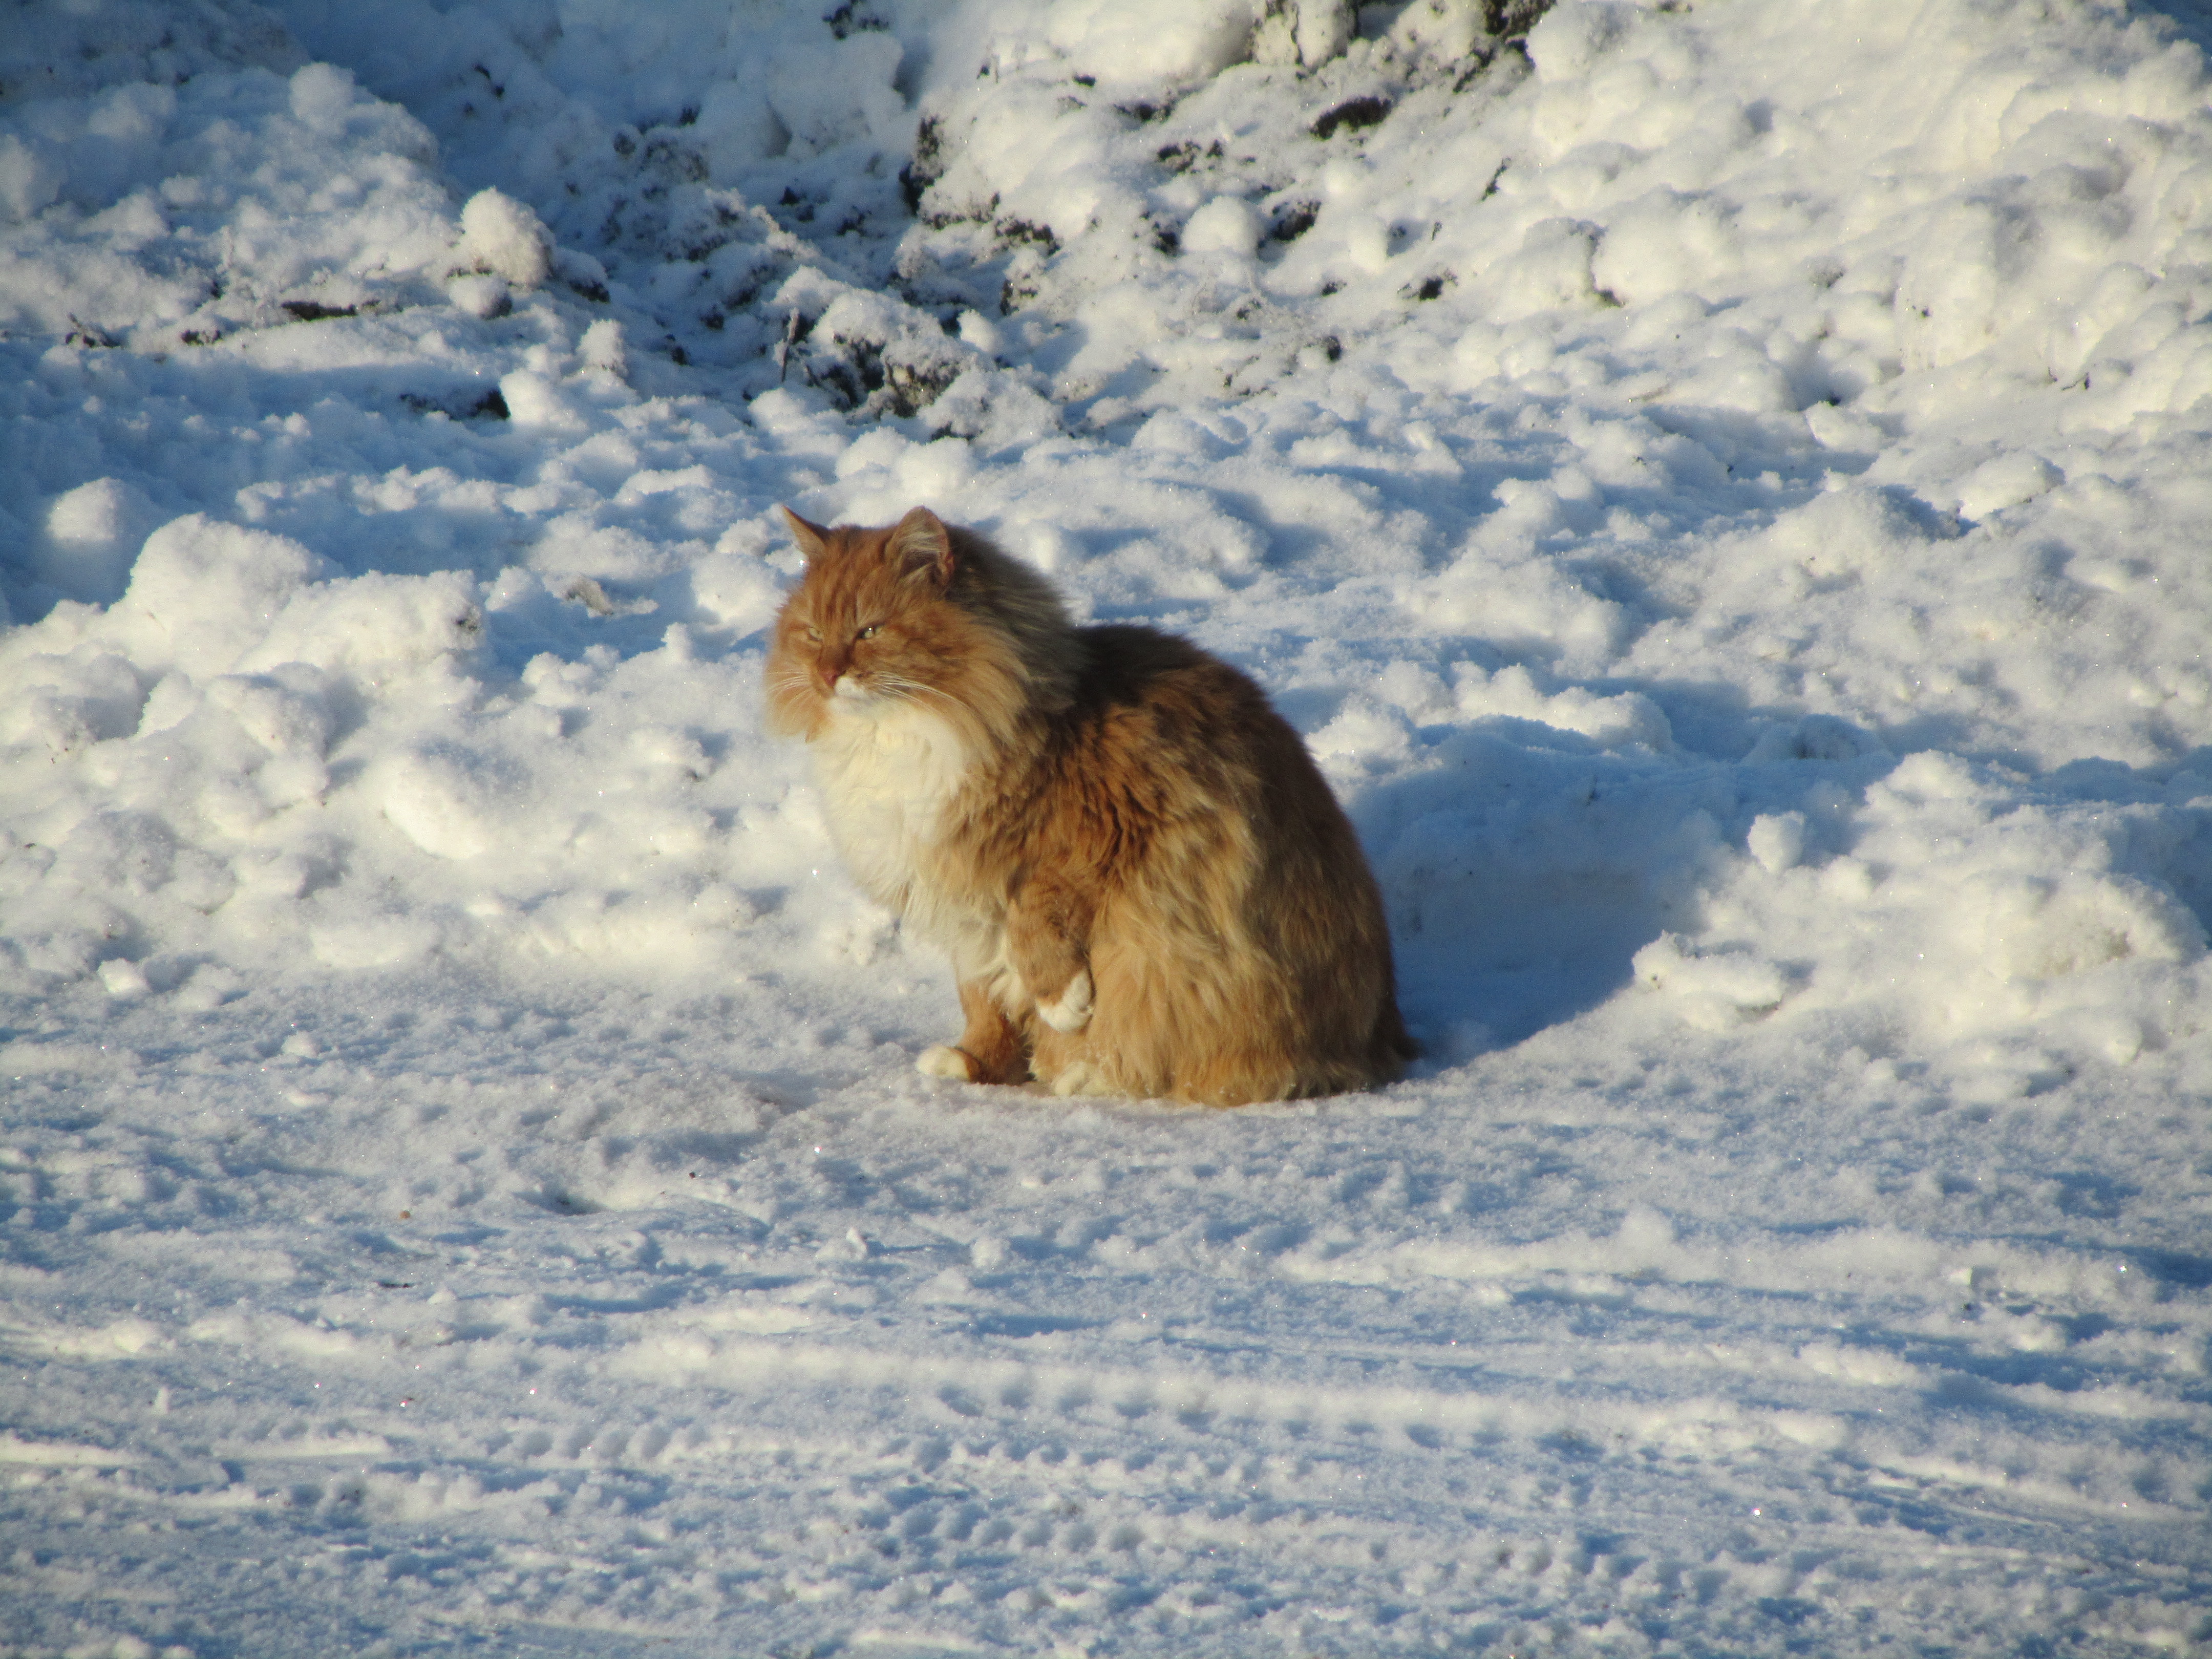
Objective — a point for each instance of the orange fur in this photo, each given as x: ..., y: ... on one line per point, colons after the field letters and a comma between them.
x: 1144, y: 884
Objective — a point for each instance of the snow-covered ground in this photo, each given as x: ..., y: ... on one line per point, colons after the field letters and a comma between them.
x: 1721, y: 486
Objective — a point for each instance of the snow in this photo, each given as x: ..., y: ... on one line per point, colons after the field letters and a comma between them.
x: 1720, y: 489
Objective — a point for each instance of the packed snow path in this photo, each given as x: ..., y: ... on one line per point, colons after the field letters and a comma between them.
x: 1721, y: 489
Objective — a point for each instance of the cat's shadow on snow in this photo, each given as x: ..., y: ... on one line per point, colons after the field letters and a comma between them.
x: 1524, y: 866
x: 1508, y: 914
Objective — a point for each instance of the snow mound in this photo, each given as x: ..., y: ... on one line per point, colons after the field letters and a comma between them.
x: 1719, y: 489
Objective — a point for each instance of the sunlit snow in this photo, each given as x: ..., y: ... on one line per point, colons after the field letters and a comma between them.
x: 1720, y: 486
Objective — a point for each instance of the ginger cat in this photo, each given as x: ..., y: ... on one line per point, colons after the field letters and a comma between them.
x: 1144, y: 884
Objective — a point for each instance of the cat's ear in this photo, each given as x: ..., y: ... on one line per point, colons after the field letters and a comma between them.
x: 922, y: 546
x: 813, y: 540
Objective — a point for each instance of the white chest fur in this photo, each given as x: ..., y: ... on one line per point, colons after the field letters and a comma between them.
x: 887, y: 778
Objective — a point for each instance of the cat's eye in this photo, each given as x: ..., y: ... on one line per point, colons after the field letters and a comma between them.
x: 870, y: 631
x: 814, y: 633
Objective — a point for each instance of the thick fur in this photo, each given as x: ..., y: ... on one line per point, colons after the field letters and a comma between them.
x: 1143, y: 882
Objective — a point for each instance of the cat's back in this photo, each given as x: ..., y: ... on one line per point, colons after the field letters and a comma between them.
x: 1171, y: 765
x: 1164, y: 706
x: 1134, y: 679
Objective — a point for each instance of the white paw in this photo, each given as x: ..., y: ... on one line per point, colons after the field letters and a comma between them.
x: 939, y: 1059
x: 1071, y: 1010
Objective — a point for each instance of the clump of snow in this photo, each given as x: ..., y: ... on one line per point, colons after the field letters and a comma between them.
x: 92, y: 535
x: 1226, y: 224
x: 506, y: 239
x: 1718, y: 489
x: 1311, y: 32
x: 1145, y: 43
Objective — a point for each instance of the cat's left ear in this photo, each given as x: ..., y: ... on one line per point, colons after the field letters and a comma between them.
x: 923, y: 546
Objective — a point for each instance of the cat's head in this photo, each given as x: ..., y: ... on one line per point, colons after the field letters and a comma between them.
x: 917, y: 615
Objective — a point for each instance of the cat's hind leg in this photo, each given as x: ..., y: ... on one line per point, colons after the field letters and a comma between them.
x: 1067, y: 1063
x: 993, y: 1048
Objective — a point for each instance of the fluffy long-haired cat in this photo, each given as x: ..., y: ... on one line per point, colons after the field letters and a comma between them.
x: 1144, y: 884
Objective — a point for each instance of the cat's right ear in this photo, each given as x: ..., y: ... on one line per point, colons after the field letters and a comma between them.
x: 813, y: 540
x: 922, y: 546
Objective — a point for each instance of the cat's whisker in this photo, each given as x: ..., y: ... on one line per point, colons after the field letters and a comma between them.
x: 899, y: 686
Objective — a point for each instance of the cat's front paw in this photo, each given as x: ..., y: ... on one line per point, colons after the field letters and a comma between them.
x: 941, y: 1060
x: 1071, y: 1010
